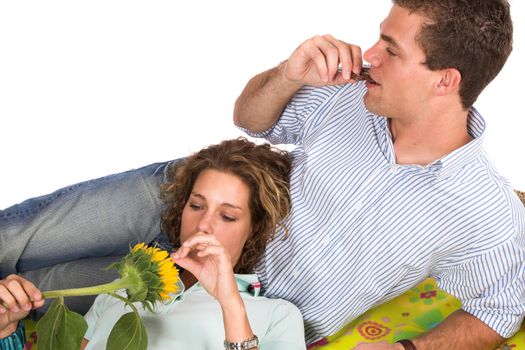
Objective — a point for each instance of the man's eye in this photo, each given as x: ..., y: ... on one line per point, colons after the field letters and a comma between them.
x: 390, y: 52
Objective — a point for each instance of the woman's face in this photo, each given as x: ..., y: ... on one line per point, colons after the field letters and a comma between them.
x: 219, y: 205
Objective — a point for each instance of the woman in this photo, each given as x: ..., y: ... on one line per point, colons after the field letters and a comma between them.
x: 222, y: 206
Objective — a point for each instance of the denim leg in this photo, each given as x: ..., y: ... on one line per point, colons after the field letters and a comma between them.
x: 100, y: 217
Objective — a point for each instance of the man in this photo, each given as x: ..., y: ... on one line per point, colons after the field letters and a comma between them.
x: 380, y: 203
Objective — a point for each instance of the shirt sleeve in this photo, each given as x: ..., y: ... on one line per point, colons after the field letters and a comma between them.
x: 286, y: 329
x: 491, y: 286
x: 289, y: 128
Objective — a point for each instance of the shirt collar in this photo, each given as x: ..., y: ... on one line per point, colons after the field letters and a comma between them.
x: 455, y: 160
x: 245, y: 283
x: 248, y: 283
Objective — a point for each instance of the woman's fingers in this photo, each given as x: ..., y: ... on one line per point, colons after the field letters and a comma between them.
x: 17, y: 293
x: 203, y: 244
x: 210, y: 250
x: 198, y: 242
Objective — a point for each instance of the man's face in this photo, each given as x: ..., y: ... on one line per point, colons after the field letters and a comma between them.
x: 404, y: 83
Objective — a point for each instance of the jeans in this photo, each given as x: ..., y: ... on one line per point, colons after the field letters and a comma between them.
x: 66, y: 238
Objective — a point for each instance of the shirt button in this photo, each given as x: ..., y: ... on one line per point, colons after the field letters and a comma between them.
x: 394, y: 168
x: 295, y: 273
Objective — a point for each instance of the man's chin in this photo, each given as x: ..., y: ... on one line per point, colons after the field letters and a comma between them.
x: 370, y: 106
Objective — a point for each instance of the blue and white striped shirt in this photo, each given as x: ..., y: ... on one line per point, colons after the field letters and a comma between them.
x: 364, y: 229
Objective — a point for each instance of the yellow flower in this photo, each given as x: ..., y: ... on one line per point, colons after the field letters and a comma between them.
x: 163, y: 267
x: 147, y: 274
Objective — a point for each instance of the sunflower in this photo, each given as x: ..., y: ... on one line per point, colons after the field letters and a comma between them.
x: 147, y: 273
x: 157, y: 274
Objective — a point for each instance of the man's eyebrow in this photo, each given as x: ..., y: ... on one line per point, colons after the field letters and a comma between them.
x: 390, y: 40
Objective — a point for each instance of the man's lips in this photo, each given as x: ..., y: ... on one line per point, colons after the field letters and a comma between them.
x: 364, y: 75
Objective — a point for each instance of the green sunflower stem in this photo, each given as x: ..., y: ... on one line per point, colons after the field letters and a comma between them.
x: 123, y: 283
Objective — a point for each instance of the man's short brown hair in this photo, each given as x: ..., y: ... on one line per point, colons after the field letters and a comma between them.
x: 473, y: 36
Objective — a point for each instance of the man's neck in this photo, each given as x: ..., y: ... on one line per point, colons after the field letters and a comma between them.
x: 428, y: 139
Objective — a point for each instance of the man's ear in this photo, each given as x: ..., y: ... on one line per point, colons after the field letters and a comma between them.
x: 449, y: 82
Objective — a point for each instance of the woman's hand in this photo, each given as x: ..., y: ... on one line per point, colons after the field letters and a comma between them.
x: 17, y: 297
x: 205, y: 257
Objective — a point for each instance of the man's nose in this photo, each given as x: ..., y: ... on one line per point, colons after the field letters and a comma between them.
x: 372, y: 56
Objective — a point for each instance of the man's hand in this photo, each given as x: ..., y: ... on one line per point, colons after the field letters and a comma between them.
x: 17, y: 297
x: 316, y: 62
x: 460, y: 330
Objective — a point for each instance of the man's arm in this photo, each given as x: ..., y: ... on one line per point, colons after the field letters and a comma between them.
x: 263, y: 99
x: 315, y: 62
x: 460, y: 331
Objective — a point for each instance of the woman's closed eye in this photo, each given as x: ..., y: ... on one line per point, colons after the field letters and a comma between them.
x: 195, y: 206
x: 229, y: 218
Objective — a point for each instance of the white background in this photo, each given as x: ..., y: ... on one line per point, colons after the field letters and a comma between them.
x: 89, y: 88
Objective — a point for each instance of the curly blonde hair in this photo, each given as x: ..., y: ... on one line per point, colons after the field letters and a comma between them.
x: 263, y: 168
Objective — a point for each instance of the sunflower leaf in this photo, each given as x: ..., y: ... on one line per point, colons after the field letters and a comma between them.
x: 60, y: 328
x: 128, y: 333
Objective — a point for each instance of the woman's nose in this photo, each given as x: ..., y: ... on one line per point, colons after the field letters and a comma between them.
x: 205, y: 224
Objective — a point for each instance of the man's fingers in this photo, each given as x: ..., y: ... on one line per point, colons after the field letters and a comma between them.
x: 330, y: 52
x: 344, y: 56
x: 318, y: 59
x: 357, y: 59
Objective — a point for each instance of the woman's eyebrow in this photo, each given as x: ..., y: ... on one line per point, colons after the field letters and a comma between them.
x: 201, y: 196
x: 232, y: 206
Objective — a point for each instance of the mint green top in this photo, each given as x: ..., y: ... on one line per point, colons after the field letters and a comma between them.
x: 193, y: 320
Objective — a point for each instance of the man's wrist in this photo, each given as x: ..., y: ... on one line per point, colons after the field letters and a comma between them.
x: 283, y: 78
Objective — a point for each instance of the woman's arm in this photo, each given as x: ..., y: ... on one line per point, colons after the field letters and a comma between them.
x: 207, y: 260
